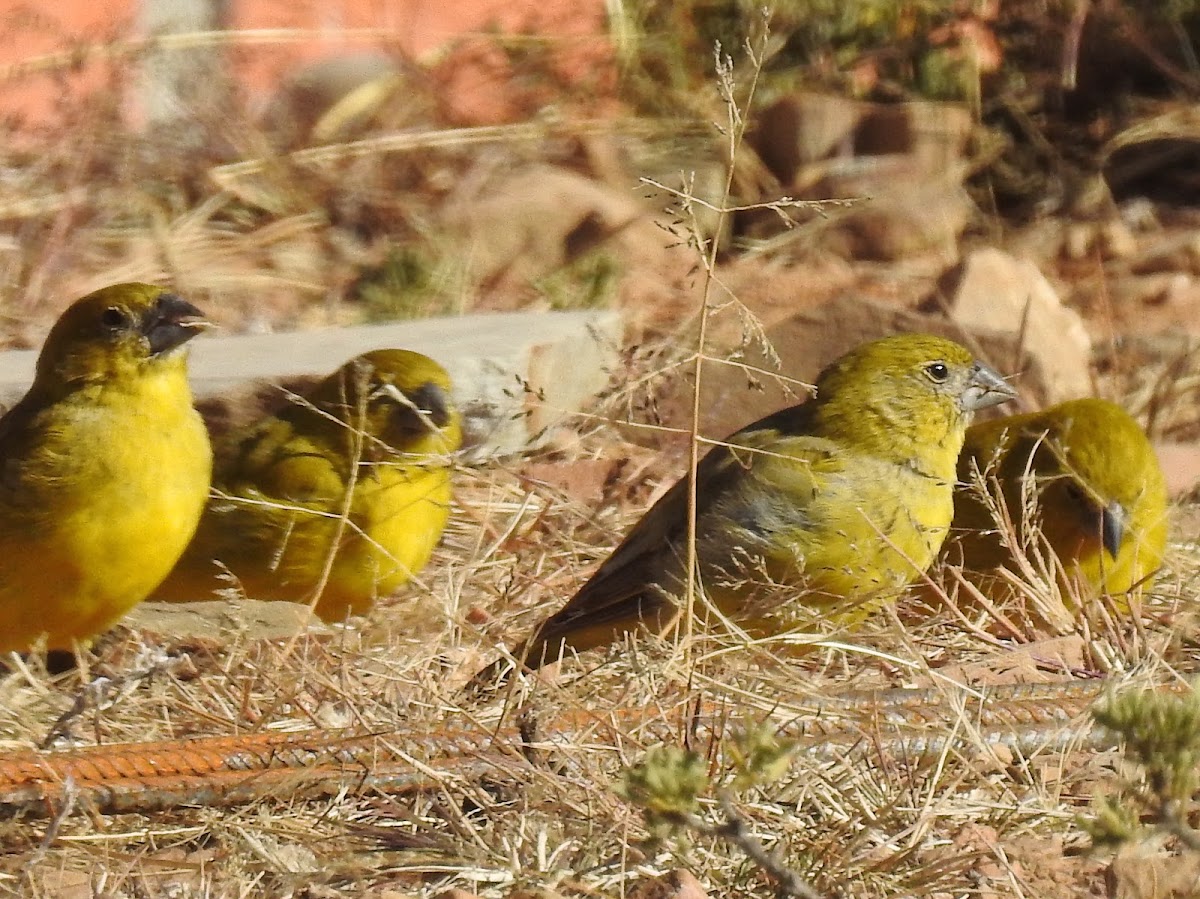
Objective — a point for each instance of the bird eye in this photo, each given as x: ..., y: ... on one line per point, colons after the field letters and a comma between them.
x: 937, y: 371
x: 114, y: 317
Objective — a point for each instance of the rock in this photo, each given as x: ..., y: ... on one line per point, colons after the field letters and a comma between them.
x: 899, y: 217
x: 802, y: 128
x: 903, y: 162
x: 934, y: 135
x: 993, y: 291
x: 1181, y: 465
x: 534, y: 221
x: 886, y: 210
x: 677, y: 884
x: 516, y: 375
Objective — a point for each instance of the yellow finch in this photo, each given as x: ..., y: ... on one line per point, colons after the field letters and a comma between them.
x: 1080, y: 479
x: 106, y: 467
x: 842, y: 500
x: 341, y: 496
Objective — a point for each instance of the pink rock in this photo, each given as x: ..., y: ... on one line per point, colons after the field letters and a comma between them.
x: 1181, y: 466
x: 995, y: 292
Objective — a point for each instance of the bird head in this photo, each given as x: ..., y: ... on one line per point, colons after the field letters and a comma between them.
x: 117, y: 332
x: 903, y: 393
x: 399, y: 399
x: 1094, y: 469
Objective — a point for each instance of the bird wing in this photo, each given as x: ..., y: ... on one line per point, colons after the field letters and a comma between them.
x: 15, y: 473
x: 34, y: 443
x: 278, y: 458
x: 628, y: 586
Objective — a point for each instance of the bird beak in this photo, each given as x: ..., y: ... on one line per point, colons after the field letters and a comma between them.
x: 986, y: 388
x: 1113, y: 519
x: 171, y: 322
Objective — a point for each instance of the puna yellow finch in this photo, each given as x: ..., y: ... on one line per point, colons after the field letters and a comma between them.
x: 833, y: 505
x: 1079, y: 479
x: 105, y: 467
x: 338, y: 499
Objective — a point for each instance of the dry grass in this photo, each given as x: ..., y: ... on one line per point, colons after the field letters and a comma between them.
x: 274, y: 236
x: 873, y: 822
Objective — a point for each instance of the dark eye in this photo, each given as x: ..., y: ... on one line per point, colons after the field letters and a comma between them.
x: 937, y: 371
x: 114, y: 318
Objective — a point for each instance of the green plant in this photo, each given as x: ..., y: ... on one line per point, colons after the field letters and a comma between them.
x: 669, y: 784
x: 404, y: 285
x: 1160, y: 733
x: 584, y: 283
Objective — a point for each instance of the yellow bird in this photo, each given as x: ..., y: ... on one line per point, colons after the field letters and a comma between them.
x: 106, y: 467
x: 1080, y: 479
x: 842, y: 501
x: 343, y: 495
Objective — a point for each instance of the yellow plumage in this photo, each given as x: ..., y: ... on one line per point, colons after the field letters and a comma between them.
x: 1080, y: 479
x: 105, y: 467
x: 346, y: 493
x: 842, y: 500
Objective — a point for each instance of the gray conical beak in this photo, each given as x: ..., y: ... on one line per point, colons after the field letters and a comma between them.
x: 986, y: 388
x: 1113, y: 519
x: 171, y: 322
